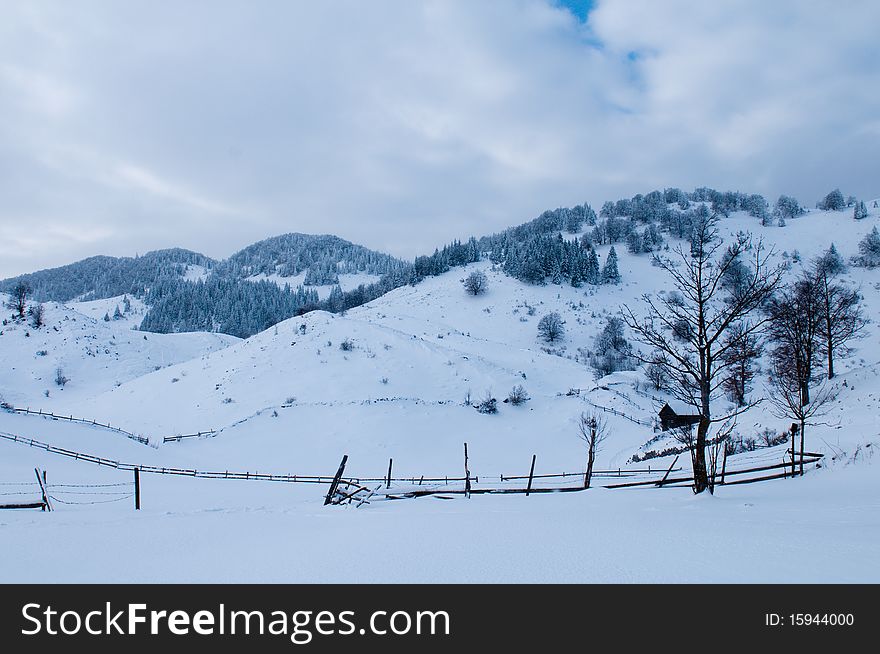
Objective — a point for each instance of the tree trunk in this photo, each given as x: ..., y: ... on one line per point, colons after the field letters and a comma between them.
x: 803, y: 426
x: 830, y: 362
x: 589, y: 476
x: 805, y: 393
x: 701, y: 477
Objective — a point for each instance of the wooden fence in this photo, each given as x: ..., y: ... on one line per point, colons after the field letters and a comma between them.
x: 720, y: 478
x: 83, y: 421
x: 94, y: 423
x: 576, y: 392
x: 350, y: 489
x: 179, y: 437
x: 183, y: 472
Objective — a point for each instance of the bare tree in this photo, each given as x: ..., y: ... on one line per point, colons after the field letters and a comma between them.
x: 593, y: 431
x: 19, y: 295
x: 786, y: 401
x: 476, y: 283
x: 697, y: 325
x: 551, y: 327
x: 842, y: 319
x: 657, y: 372
x: 795, y: 320
x: 741, y: 357
x: 36, y: 314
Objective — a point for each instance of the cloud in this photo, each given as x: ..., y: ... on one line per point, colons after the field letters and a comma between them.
x: 403, y: 125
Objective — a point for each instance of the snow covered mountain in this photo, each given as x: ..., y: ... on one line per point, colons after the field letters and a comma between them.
x: 397, y: 378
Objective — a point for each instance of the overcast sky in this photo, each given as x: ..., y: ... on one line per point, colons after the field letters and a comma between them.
x: 130, y: 126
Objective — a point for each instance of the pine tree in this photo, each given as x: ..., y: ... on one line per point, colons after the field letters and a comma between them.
x: 869, y: 250
x: 860, y: 211
x: 336, y: 301
x: 830, y: 262
x: 834, y: 201
x: 591, y: 269
x: 635, y: 244
x: 610, y: 273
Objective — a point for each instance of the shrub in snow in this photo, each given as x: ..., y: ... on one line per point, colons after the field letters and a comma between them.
x: 487, y: 405
x: 60, y: 378
x: 551, y: 327
x: 228, y: 400
x: 517, y: 396
x: 476, y: 283
x: 347, y: 345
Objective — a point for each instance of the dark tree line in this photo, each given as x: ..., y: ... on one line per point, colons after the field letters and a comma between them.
x: 233, y: 307
x: 102, y: 277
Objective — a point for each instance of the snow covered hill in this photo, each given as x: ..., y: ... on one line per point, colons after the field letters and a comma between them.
x: 395, y: 379
x: 91, y: 354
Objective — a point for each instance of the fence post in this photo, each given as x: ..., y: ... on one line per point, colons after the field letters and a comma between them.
x: 531, y: 474
x: 388, y: 479
x: 467, y: 474
x: 335, y: 481
x: 46, y: 502
x: 137, y: 489
x: 724, y: 465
